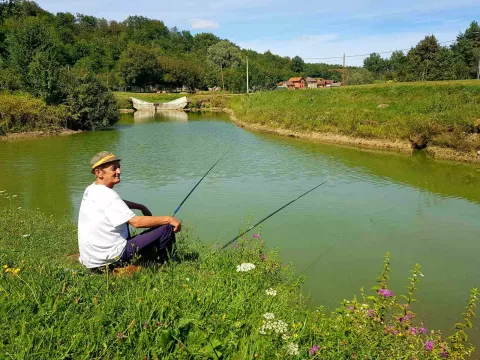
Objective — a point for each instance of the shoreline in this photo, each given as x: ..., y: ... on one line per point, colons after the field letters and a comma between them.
x: 37, y: 134
x: 395, y: 146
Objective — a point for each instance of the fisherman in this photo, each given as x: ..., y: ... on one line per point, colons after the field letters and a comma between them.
x: 103, y: 232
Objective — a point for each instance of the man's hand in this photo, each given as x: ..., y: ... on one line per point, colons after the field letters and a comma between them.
x: 177, y: 225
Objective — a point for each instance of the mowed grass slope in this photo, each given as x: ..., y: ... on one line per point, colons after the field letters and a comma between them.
x: 445, y: 114
x: 205, y: 307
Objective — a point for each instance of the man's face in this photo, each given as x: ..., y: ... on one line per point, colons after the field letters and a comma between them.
x: 110, y: 174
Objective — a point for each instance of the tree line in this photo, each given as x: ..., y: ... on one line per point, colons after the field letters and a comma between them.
x: 37, y: 48
x: 429, y: 60
x: 52, y: 55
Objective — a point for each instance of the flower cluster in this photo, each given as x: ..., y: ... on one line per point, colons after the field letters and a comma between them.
x: 429, y: 345
x: 385, y: 292
x: 245, y: 267
x: 292, y: 349
x: 270, y: 324
x: 13, y: 270
x: 313, y: 350
x: 271, y: 292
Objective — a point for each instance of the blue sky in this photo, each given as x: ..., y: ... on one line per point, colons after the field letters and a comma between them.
x: 308, y: 28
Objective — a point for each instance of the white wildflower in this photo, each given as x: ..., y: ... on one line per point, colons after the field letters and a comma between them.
x: 26, y: 235
x: 285, y: 337
x: 187, y: 279
x: 19, y: 207
x: 292, y: 349
x: 14, y: 196
x: 422, y: 275
x: 271, y: 292
x: 245, y: 267
x: 2, y: 191
x: 269, y: 316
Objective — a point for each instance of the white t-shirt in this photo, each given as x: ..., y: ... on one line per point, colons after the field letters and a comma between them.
x: 102, y: 226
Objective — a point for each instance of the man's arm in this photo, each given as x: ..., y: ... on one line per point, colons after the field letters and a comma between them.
x: 135, y: 206
x: 152, y: 221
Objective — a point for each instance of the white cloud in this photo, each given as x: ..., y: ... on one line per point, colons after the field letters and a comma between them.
x: 204, y: 24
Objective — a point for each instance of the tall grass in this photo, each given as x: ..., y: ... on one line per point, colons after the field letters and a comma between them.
x: 200, y: 308
x: 446, y: 114
x: 22, y: 112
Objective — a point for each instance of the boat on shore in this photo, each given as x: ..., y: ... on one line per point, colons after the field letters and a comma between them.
x: 141, y: 105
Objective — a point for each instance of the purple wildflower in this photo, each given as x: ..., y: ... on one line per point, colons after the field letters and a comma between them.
x: 313, y: 350
x: 385, y: 292
x: 429, y: 345
x: 422, y: 330
x: 256, y: 236
x: 351, y: 308
x: 263, y: 257
x: 395, y: 332
x: 413, y: 331
x: 371, y: 313
x: 444, y: 353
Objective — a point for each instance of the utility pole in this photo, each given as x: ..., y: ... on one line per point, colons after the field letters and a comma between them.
x: 478, y: 70
x: 247, y: 74
x: 344, y: 78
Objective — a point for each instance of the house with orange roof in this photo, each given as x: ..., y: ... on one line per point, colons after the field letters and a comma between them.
x: 296, y: 83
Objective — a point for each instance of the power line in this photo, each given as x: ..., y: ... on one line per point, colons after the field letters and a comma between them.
x: 363, y: 55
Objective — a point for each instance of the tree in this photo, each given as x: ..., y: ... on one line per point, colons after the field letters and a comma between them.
x: 224, y: 54
x: 44, y: 77
x: 398, y: 63
x: 422, y: 59
x: 467, y: 48
x: 375, y: 64
x: 139, y: 67
x: 298, y: 65
x: 359, y: 76
x: 90, y: 104
x: 26, y: 38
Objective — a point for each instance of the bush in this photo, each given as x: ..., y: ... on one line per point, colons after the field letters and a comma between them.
x: 90, y: 104
x: 22, y: 112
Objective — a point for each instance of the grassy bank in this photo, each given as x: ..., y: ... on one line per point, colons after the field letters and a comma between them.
x: 440, y: 115
x: 200, y: 308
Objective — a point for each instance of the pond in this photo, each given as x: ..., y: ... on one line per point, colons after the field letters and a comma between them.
x: 419, y: 210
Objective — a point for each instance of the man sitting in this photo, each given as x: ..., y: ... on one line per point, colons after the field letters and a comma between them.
x: 103, y: 234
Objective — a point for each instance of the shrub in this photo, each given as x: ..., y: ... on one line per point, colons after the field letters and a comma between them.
x: 22, y: 112
x: 90, y: 104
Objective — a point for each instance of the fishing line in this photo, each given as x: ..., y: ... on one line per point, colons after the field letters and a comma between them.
x: 267, y: 217
x: 198, y: 183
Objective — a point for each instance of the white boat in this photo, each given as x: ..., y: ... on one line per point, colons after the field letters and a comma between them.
x: 140, y: 105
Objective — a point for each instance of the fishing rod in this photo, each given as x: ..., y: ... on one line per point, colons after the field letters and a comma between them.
x: 265, y: 218
x: 198, y: 183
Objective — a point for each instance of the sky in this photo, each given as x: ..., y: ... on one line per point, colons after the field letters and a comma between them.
x: 317, y: 31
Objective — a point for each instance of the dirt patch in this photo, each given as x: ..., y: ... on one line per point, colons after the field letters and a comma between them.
x: 126, y: 271
x: 35, y: 134
x: 453, y: 155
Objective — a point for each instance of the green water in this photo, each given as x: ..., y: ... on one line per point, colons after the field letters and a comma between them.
x: 417, y: 209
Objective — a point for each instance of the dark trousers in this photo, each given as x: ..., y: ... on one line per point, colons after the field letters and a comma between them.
x: 154, y: 244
